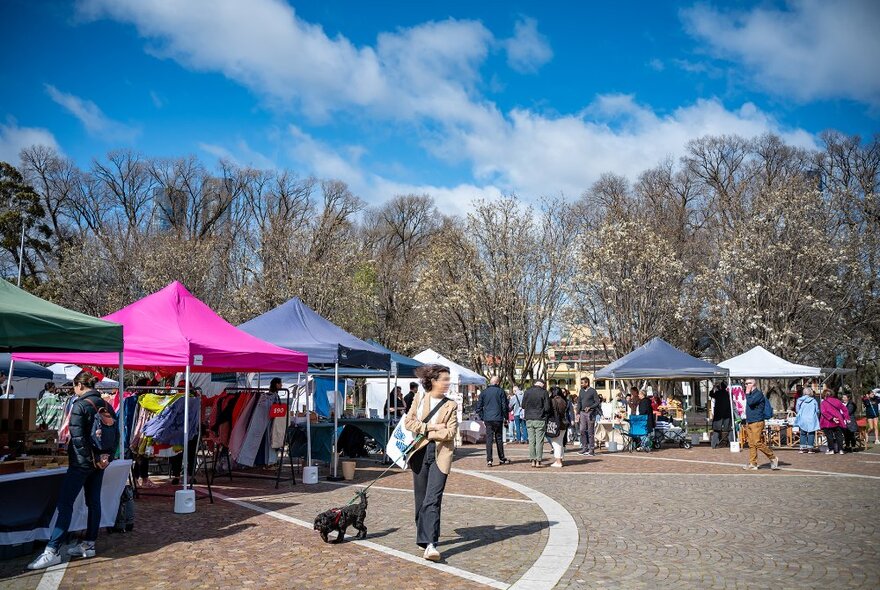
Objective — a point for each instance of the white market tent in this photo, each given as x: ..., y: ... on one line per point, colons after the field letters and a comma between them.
x: 458, y: 375
x: 63, y: 372
x: 760, y: 363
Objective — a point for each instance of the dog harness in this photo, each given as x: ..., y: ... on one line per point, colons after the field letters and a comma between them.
x: 338, y: 516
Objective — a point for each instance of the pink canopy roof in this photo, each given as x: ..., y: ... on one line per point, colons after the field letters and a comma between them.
x: 171, y: 329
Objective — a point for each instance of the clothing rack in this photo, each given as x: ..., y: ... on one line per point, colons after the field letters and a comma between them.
x: 201, y: 448
x: 223, y: 451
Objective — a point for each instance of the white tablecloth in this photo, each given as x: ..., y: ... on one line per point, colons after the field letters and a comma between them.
x: 115, y: 478
x: 473, y: 431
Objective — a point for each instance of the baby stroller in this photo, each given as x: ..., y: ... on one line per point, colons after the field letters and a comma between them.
x: 669, y: 432
x: 638, y: 438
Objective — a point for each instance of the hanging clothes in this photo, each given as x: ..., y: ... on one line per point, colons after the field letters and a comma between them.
x: 167, y: 427
x: 256, y: 431
x: 240, y: 424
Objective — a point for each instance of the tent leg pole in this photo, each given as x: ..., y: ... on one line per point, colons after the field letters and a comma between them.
x: 308, y: 418
x: 121, y: 407
x: 336, y: 419
x: 9, y: 376
x: 186, y: 428
x: 732, y: 411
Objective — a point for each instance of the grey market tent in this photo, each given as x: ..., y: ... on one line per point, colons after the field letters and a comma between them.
x: 24, y: 369
x: 657, y: 359
x: 296, y: 326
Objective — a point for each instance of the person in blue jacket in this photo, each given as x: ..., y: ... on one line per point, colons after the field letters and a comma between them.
x: 493, y: 408
x: 807, y: 420
x: 756, y: 410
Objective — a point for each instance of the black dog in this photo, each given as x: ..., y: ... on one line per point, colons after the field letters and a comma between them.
x: 339, y: 519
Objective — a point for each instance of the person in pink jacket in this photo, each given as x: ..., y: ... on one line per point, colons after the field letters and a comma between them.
x: 833, y: 418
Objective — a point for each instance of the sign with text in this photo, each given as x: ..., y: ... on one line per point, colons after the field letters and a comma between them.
x: 277, y: 411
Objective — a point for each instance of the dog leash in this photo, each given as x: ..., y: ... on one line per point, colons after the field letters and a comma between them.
x: 417, y: 440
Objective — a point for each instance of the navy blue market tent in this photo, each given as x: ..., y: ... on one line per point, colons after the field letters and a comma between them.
x: 406, y: 366
x: 24, y: 369
x: 657, y: 359
x: 296, y: 326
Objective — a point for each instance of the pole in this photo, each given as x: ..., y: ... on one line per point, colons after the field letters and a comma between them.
x: 20, y: 252
x: 335, y: 418
x: 9, y: 376
x: 186, y: 428
x: 732, y: 410
x: 121, y: 406
x: 308, y: 418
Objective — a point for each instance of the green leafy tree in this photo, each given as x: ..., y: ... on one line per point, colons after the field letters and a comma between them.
x: 20, y: 210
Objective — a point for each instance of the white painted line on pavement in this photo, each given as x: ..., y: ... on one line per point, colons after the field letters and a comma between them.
x: 797, y: 470
x: 563, y: 471
x: 360, y: 485
x: 52, y: 576
x: 374, y: 546
x: 562, y: 541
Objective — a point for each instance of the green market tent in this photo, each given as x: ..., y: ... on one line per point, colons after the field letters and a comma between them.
x: 31, y: 324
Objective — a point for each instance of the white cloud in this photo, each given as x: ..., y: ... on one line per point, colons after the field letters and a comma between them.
x: 96, y: 123
x: 158, y: 102
x: 534, y: 154
x: 240, y: 154
x: 814, y: 49
x: 14, y: 138
x: 528, y: 49
x: 427, y: 77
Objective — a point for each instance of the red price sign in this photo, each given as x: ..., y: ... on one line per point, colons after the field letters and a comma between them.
x: 277, y: 411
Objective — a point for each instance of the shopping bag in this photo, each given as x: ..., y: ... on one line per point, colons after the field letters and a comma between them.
x: 398, y: 444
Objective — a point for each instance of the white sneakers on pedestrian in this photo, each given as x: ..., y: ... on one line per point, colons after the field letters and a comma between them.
x: 829, y: 452
x: 750, y: 467
x: 556, y: 465
x: 84, y: 549
x: 47, y: 558
x: 774, y: 463
x: 431, y: 553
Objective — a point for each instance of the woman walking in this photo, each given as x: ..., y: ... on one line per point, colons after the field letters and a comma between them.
x: 872, y: 413
x: 82, y: 474
x: 833, y: 418
x: 807, y: 420
x: 559, y: 415
x: 434, y: 417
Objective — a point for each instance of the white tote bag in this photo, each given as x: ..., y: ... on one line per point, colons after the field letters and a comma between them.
x: 400, y: 440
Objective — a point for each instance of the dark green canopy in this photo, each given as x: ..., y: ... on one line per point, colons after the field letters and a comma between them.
x: 31, y: 324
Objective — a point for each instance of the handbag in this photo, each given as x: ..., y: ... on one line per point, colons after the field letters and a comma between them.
x: 552, y: 428
x: 401, y: 441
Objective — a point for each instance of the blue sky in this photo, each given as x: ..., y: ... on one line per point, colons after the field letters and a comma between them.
x: 458, y: 99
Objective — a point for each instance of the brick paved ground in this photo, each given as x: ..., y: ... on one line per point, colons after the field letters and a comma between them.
x: 675, y: 518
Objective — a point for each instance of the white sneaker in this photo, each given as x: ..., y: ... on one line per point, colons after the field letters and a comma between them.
x: 750, y: 467
x: 84, y: 549
x: 829, y: 452
x: 47, y: 558
x: 839, y: 452
x: 774, y: 463
x: 431, y: 553
x: 556, y: 465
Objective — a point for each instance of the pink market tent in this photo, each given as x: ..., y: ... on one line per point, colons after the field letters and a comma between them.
x: 173, y: 330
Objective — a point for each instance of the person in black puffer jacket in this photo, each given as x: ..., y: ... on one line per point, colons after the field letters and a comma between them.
x: 81, y: 474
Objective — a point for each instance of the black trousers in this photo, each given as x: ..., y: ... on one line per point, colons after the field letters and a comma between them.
x: 428, y: 485
x: 494, y: 431
x: 834, y: 436
x: 849, y: 438
x: 140, y: 467
x: 176, y: 462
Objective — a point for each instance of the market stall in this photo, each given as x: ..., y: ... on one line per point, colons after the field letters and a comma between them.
x: 659, y: 360
x: 294, y: 325
x: 174, y: 331
x: 760, y: 363
x: 29, y: 488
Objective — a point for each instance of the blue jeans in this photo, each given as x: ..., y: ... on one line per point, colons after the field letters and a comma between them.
x: 519, y: 430
x: 75, y: 480
x: 808, y: 439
